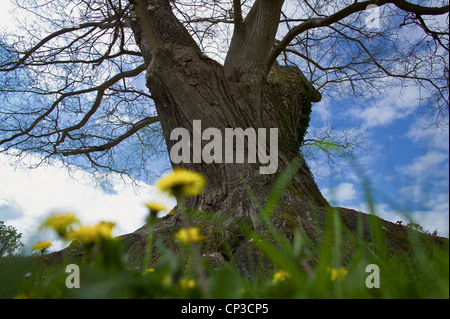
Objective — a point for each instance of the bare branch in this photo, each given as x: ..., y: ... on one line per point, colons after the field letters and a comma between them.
x: 420, y: 10
x: 148, y: 29
x: 101, y: 25
x: 134, y: 129
x: 238, y: 20
x: 316, y: 23
x: 100, y: 92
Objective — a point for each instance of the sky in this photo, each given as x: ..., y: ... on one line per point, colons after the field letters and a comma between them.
x: 405, y: 163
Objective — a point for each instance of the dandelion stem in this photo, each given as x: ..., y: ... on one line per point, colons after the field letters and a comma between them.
x: 199, y: 269
x: 149, y: 248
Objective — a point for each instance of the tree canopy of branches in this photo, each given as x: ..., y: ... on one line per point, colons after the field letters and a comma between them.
x: 73, y: 73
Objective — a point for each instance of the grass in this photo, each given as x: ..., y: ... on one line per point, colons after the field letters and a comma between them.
x: 337, y: 267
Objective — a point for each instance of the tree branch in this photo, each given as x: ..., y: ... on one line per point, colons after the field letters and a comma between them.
x: 238, y: 22
x: 102, y: 25
x: 347, y: 11
x: 100, y: 148
x: 148, y: 29
x: 248, y: 51
x: 316, y: 23
x: 100, y: 89
x: 417, y: 9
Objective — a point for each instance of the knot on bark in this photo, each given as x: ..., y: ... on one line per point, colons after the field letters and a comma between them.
x: 289, y: 96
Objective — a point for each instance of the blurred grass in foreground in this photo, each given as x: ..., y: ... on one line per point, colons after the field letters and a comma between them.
x: 330, y: 269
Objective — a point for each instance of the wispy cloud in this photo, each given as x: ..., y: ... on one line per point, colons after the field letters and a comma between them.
x: 400, y: 103
x: 428, y: 177
x: 431, y: 164
x: 424, y: 132
x: 323, y: 110
x: 10, y: 210
x: 341, y: 194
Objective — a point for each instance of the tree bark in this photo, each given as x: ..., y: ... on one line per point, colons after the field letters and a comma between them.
x: 188, y: 86
x: 247, y: 58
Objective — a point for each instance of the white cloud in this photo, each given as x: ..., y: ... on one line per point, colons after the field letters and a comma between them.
x: 342, y: 193
x: 433, y: 163
x: 383, y: 211
x: 429, y: 176
x: 6, y: 18
x: 400, y: 103
x: 425, y: 133
x: 44, y: 190
x: 322, y: 109
x: 433, y: 221
x: 433, y: 199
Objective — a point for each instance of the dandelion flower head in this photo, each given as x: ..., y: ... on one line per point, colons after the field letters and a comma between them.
x: 182, y: 182
x: 90, y: 235
x: 61, y: 223
x: 41, y: 246
x: 281, y: 275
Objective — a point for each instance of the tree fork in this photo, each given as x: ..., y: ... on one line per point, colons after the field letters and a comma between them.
x: 190, y: 86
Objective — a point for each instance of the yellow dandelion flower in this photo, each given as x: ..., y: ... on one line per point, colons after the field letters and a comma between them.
x: 337, y: 274
x: 166, y: 280
x: 281, y: 275
x: 187, y: 283
x: 61, y: 223
x: 90, y: 235
x: 182, y: 183
x: 150, y: 270
x: 104, y: 229
x: 189, y: 235
x: 155, y: 207
x: 41, y: 246
x: 87, y: 235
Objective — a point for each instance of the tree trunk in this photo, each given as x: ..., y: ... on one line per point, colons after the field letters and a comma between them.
x: 194, y: 88
x: 188, y: 86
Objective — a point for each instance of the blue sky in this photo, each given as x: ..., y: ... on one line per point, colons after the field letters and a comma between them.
x: 405, y: 162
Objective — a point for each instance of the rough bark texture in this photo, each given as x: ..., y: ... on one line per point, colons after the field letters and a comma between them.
x: 188, y: 86
x: 252, y: 42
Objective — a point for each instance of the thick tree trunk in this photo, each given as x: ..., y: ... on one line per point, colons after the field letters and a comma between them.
x: 191, y: 87
x: 188, y: 86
